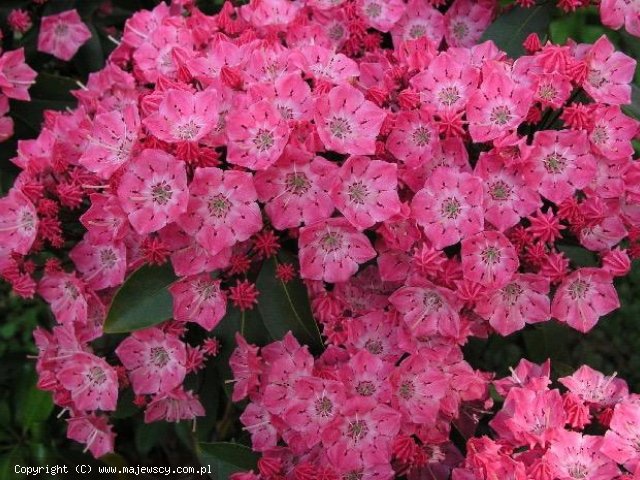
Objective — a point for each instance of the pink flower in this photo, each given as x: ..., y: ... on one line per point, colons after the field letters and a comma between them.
x: 427, y: 309
x: 155, y: 360
x: 246, y: 366
x: 365, y: 191
x: 609, y: 73
x: 573, y: 455
x: 18, y: 222
x: 314, y: 405
x: 15, y: 75
x: 530, y: 417
x: 525, y: 299
x: 364, y: 428
x: 257, y: 135
x: 62, y: 35
x: 66, y: 296
x: 413, y: 138
x: 583, y: 297
x: 347, y: 123
x: 381, y: 15
x: 595, y: 388
x: 173, y: 406
x: 489, y: 258
x: 291, y: 96
x: 105, y: 220
x: 198, y: 299
x: 111, y: 141
x: 465, y: 21
x: 331, y: 250
x: 418, y: 389
x: 367, y: 375
x: 560, y: 163
x: 419, y: 20
x: 296, y: 190
x: 324, y: 64
x: 616, y: 13
x: 94, y: 431
x: 92, y: 382
x: 612, y: 132
x: 222, y: 208
x: 621, y: 440
x: 507, y: 197
x: 156, y: 57
x: 261, y: 425
x: 153, y: 190
x: 447, y: 83
x: 102, y: 263
x: 449, y: 207
x: 183, y: 116
x: 498, y: 107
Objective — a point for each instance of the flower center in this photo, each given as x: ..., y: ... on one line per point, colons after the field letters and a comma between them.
x: 96, y: 375
x: 500, y: 190
x: 599, y: 135
x: 324, y: 407
x: 578, y: 289
x: 159, y: 356
x: 596, y: 78
x: 297, y: 183
x: 432, y: 301
x: 108, y: 258
x: 554, y: 163
x: 450, y: 208
x: 366, y: 388
x: 357, y: 430
x: 547, y: 92
x: 578, y: 471
x: 490, y: 255
x: 27, y: 221
x: 336, y: 32
x: 500, y: 115
x: 340, y: 128
x: 71, y: 290
x: 219, y: 206
x: 187, y: 131
x: 61, y: 29
x: 353, y: 475
x: 460, y: 30
x: 374, y: 346
x: 263, y: 140
x: 206, y: 290
x: 511, y: 293
x: 421, y: 136
x: 373, y: 10
x: 358, y: 192
x: 331, y: 242
x: 407, y: 390
x: 161, y: 193
x: 418, y: 30
x: 448, y: 96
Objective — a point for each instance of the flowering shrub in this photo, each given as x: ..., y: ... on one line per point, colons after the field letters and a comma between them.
x: 340, y: 194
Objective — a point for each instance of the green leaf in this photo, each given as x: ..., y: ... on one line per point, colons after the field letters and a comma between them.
x: 36, y: 407
x: 54, y: 87
x: 143, y: 300
x: 580, y: 256
x: 148, y: 435
x: 285, y: 307
x: 511, y: 29
x: 90, y: 57
x: 226, y: 458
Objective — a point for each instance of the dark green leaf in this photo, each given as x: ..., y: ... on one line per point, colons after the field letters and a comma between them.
x: 511, y: 28
x: 148, y: 435
x: 90, y: 57
x: 54, y: 88
x: 285, y: 307
x: 580, y: 256
x: 8, y: 462
x: 35, y: 408
x: 226, y: 458
x: 143, y: 300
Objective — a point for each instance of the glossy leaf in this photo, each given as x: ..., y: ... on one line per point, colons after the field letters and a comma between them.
x: 285, y: 307
x: 143, y: 300
x: 511, y: 28
x: 226, y: 458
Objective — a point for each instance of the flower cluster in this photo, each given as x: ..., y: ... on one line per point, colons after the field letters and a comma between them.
x: 590, y: 430
x: 15, y: 79
x: 431, y: 184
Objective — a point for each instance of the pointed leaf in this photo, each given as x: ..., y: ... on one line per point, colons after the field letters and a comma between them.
x: 223, y: 459
x: 511, y: 28
x: 143, y: 300
x: 285, y: 307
